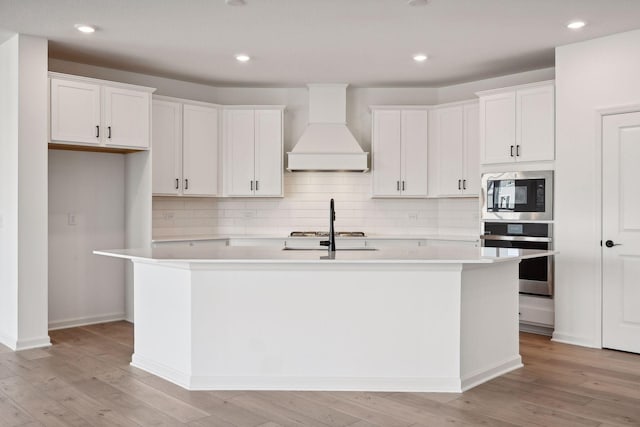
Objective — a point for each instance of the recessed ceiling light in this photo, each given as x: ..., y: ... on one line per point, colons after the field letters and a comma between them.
x: 242, y: 57
x: 420, y: 57
x: 87, y: 29
x: 235, y: 2
x: 575, y: 25
x: 417, y: 2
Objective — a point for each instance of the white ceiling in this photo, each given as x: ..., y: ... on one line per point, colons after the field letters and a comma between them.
x: 292, y: 42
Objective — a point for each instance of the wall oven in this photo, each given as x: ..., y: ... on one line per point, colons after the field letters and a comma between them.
x: 517, y: 196
x: 536, y: 275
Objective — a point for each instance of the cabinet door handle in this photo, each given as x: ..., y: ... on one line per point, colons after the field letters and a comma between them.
x: 186, y: 184
x: 251, y: 185
x: 257, y: 185
x: 459, y: 184
x: 511, y: 151
x: 109, y: 132
x: 397, y: 185
x: 402, y: 185
x: 464, y: 184
x: 97, y: 131
x: 517, y: 150
x: 177, y: 183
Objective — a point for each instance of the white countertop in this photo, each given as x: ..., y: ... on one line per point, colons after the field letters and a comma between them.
x: 453, y: 237
x: 269, y: 255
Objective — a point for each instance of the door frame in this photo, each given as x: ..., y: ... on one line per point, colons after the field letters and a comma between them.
x: 601, y: 113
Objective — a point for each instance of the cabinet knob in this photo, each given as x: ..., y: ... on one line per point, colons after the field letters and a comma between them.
x: 464, y: 184
x: 186, y: 184
x: 459, y: 184
x: 257, y: 185
x: 109, y: 132
x: 97, y: 131
x: 517, y: 150
x: 177, y: 183
x: 511, y: 151
x: 402, y: 185
x: 397, y: 185
x: 251, y: 185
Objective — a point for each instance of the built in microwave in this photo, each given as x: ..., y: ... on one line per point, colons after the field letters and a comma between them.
x: 517, y: 196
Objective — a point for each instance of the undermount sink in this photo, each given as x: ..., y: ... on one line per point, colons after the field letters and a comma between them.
x: 286, y: 248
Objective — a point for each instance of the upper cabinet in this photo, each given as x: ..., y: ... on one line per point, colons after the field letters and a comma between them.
x: 399, y: 152
x: 454, y: 168
x: 98, y: 113
x: 253, y: 151
x: 518, y: 124
x: 185, y: 148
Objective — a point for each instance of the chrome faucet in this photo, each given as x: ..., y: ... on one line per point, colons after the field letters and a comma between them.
x: 331, y: 243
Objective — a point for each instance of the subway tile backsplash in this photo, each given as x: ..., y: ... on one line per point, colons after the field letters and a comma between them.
x: 306, y: 207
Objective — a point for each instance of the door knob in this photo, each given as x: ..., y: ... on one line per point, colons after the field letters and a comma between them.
x: 610, y: 244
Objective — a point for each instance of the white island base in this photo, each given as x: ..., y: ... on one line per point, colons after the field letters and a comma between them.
x: 326, y: 325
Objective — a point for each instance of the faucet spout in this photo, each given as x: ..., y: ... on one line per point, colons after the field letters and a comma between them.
x: 331, y: 243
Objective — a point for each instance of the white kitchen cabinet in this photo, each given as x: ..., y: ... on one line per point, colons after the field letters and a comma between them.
x: 454, y: 145
x: 185, y: 148
x: 98, y: 113
x: 253, y: 148
x: 518, y: 124
x: 399, y: 152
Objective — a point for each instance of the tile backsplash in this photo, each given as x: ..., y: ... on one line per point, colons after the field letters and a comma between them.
x: 306, y: 207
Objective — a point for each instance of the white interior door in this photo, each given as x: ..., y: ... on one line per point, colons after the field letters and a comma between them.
x: 621, y: 232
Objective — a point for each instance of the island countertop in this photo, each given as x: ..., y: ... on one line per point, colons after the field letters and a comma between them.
x: 262, y: 255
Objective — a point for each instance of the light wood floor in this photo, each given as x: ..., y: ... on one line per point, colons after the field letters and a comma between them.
x: 85, y: 379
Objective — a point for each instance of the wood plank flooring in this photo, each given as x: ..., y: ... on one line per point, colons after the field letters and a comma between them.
x: 85, y: 379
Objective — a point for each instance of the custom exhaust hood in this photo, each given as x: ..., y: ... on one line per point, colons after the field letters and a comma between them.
x: 327, y: 144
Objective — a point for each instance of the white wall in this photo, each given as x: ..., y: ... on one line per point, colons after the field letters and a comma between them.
x: 8, y: 192
x: 590, y: 76
x: 85, y: 288
x: 23, y: 195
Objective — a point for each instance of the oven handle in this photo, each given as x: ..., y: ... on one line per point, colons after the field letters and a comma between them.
x: 515, y: 238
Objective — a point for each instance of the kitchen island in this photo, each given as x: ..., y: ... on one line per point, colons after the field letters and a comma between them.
x: 256, y: 318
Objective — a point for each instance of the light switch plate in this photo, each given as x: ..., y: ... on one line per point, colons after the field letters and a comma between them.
x: 71, y: 218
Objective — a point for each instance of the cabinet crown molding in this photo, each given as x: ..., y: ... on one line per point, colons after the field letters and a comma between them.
x: 517, y: 87
x: 73, y: 77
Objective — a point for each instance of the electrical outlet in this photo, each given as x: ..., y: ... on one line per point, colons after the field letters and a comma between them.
x: 249, y: 214
x: 168, y: 215
x: 413, y: 216
x: 72, y: 218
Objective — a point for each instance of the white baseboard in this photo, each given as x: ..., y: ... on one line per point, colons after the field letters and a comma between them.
x: 536, y: 329
x: 194, y: 382
x: 574, y: 340
x: 479, y: 377
x: 84, y: 321
x: 26, y: 344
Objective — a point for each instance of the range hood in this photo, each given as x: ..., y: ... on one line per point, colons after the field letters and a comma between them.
x: 327, y: 144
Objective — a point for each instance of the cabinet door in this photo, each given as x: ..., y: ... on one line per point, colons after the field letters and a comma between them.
x: 449, y: 134
x: 471, y: 150
x: 240, y: 152
x: 166, y: 147
x: 535, y: 127
x: 268, y: 146
x: 126, y: 117
x: 75, y: 112
x: 498, y: 128
x: 414, y: 138
x: 200, y: 150
x: 386, y: 153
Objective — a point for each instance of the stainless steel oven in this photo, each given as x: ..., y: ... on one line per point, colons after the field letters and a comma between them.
x: 517, y: 196
x: 536, y: 274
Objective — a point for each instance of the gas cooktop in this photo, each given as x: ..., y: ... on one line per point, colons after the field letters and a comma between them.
x: 326, y: 234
